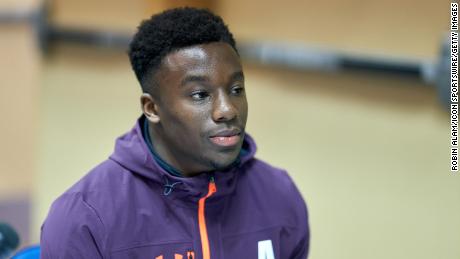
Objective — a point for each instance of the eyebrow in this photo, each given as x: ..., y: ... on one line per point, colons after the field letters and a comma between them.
x: 238, y: 75
x: 194, y: 78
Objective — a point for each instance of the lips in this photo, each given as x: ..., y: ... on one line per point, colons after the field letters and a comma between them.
x: 226, y: 138
x: 226, y: 141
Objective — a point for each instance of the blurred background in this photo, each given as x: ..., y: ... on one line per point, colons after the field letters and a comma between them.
x: 349, y: 96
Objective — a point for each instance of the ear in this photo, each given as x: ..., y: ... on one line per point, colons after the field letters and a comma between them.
x: 149, y: 108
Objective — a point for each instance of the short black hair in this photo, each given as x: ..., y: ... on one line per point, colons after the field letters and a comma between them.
x: 171, y: 30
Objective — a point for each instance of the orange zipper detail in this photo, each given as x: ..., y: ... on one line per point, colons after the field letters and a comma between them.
x: 190, y: 255
x: 202, y: 221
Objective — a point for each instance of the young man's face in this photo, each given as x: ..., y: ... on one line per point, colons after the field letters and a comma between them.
x: 201, y: 105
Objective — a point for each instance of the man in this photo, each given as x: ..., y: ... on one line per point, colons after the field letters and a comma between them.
x: 184, y: 182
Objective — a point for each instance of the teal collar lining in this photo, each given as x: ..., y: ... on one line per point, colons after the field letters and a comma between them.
x: 168, y: 168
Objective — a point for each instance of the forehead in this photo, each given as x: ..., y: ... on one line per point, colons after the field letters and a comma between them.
x: 213, y: 60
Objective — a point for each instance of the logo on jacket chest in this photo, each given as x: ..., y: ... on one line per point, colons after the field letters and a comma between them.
x: 189, y: 255
x: 264, y: 251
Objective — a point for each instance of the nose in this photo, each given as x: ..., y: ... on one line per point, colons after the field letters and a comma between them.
x: 223, y: 108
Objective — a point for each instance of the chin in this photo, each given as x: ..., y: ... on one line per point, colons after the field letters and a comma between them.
x: 220, y: 167
x: 222, y: 164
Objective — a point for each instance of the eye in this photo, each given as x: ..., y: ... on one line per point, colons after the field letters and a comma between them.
x: 199, y: 95
x: 237, y: 90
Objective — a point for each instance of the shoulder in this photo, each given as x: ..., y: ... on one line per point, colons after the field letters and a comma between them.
x: 275, y: 185
x: 266, y: 176
x: 79, y: 205
x: 104, y: 186
x: 107, y: 188
x: 76, y: 206
x: 72, y: 211
x: 269, y: 197
x: 80, y: 214
x: 72, y: 229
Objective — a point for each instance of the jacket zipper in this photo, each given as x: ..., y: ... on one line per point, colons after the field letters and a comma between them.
x: 202, y: 220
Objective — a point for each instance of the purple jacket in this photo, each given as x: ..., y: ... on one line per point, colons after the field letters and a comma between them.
x: 129, y: 207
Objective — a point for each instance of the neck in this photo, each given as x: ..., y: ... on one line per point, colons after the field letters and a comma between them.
x: 177, y: 160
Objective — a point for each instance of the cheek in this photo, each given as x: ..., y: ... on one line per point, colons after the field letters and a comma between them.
x: 243, y: 110
x: 188, y: 121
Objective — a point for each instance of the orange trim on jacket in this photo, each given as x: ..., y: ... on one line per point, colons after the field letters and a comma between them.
x: 190, y: 255
x: 202, y: 220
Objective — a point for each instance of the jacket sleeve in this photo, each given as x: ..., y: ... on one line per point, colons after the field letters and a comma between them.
x: 72, y: 229
x: 303, y: 243
x: 302, y: 235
